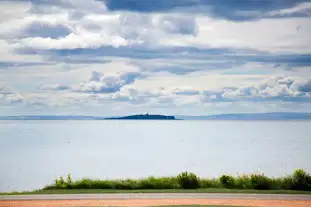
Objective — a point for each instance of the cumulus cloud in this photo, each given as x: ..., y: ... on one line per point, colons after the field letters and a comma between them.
x: 100, y: 83
x: 267, y: 35
x: 186, y: 91
x: 9, y: 97
x: 133, y: 95
x: 304, y: 87
x: 73, y: 41
x: 148, y: 29
x: 277, y: 88
x: 55, y: 87
x: 185, y: 25
x: 95, y: 29
x: 158, y: 98
x: 60, y: 30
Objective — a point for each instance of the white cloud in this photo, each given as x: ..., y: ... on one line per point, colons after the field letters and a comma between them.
x: 55, y: 87
x: 181, y: 24
x: 99, y: 83
x: 270, y: 35
x: 9, y: 97
x: 100, y: 27
x: 275, y: 87
x: 73, y: 41
x: 7, y: 54
x: 13, y: 9
x: 121, y: 29
x: 304, y: 8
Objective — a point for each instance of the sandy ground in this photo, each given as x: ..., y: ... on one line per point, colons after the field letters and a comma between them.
x: 155, y: 202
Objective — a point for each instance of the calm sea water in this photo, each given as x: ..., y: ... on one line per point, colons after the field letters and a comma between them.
x: 34, y: 153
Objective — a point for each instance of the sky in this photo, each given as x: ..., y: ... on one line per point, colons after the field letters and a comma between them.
x: 176, y: 57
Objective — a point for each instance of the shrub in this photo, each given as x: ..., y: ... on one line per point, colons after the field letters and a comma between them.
x: 126, y: 184
x: 287, y: 183
x: 278, y: 183
x: 69, y: 181
x: 243, y: 182
x: 149, y: 183
x: 227, y: 181
x: 188, y: 180
x: 209, y: 183
x: 84, y: 184
x: 60, y: 183
x: 159, y: 183
x: 301, y: 180
x: 260, y: 182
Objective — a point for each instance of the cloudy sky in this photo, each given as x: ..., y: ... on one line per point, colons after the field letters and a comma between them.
x: 181, y: 57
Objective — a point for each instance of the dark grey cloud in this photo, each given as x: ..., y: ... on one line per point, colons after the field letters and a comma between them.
x: 45, y: 30
x: 235, y: 10
x: 228, y: 56
x: 179, y: 25
x: 305, y: 87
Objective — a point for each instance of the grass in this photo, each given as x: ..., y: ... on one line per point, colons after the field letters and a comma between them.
x: 201, y: 190
x: 299, y: 180
x: 297, y: 183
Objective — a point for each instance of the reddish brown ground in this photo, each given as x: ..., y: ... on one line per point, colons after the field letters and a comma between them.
x: 155, y: 202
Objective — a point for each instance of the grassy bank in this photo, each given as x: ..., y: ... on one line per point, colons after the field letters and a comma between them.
x: 299, y: 180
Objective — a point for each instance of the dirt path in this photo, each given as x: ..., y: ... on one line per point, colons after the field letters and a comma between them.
x: 155, y: 202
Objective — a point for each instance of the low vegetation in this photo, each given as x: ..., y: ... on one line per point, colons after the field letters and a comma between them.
x: 299, y: 180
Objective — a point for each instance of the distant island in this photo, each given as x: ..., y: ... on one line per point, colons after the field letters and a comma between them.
x: 241, y: 116
x: 144, y: 117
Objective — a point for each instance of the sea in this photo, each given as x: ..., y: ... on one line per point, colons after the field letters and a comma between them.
x: 34, y: 153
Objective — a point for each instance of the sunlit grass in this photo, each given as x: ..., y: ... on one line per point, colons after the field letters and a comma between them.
x: 299, y: 180
x: 297, y: 183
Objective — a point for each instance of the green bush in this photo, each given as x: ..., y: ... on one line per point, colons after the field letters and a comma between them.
x: 159, y: 183
x: 227, y: 181
x: 209, y: 183
x: 287, y: 182
x: 188, y: 180
x: 260, y: 182
x: 278, y: 183
x: 243, y: 182
x: 69, y: 180
x: 127, y: 184
x: 301, y: 180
